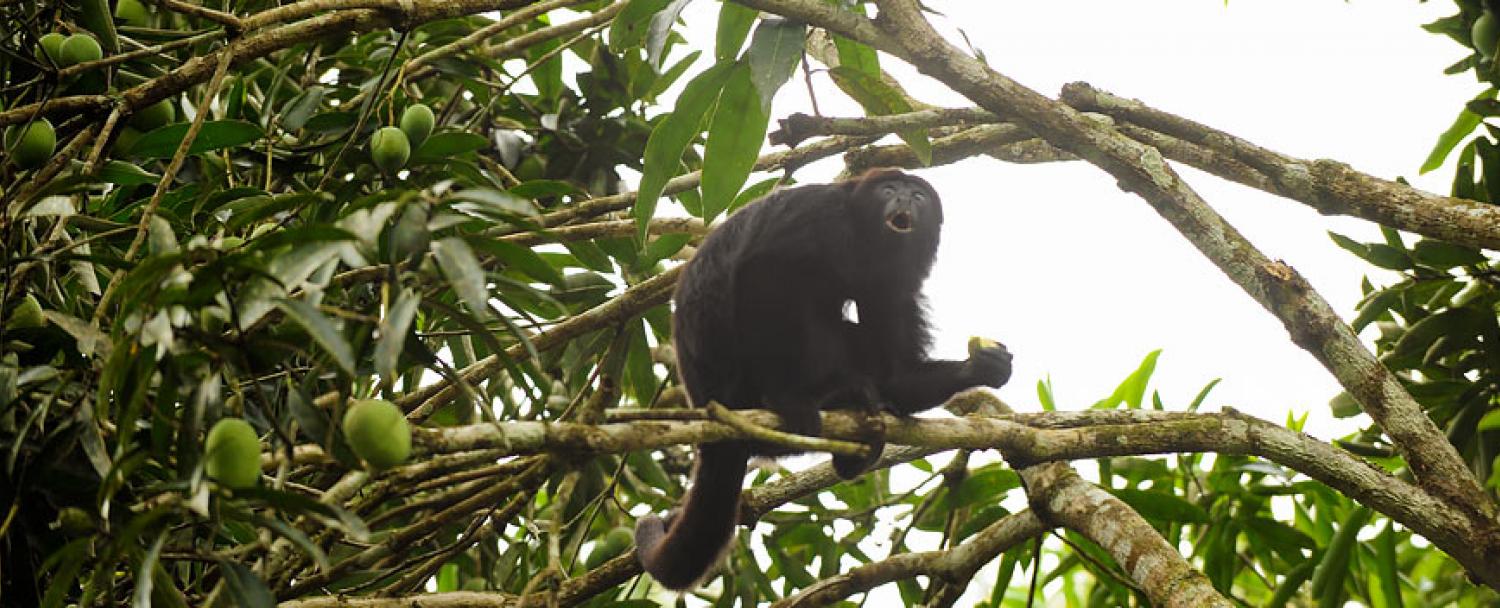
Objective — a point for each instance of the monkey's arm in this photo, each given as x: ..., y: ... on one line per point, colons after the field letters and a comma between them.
x: 913, y: 383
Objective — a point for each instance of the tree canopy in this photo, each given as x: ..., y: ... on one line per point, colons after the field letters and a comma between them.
x: 365, y: 303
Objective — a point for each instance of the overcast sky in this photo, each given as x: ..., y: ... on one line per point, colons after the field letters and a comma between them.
x: 1080, y: 279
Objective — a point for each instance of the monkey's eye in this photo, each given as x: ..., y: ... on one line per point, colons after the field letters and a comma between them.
x: 888, y: 191
x: 919, y: 196
x: 899, y: 221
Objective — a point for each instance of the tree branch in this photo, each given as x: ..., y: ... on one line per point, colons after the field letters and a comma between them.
x: 1331, y: 187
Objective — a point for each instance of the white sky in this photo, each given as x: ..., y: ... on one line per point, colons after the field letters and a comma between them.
x: 1080, y: 279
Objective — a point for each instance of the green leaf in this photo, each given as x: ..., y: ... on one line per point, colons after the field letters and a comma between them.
x: 440, y: 147
x: 245, y: 589
x: 394, y: 329
x: 1462, y: 126
x: 333, y: 516
x: 126, y: 174
x: 879, y: 98
x: 215, y: 135
x: 322, y: 330
x: 754, y: 192
x: 1162, y: 506
x: 670, y: 137
x: 517, y: 257
x: 1443, y: 255
x: 857, y: 56
x: 734, y: 141
x: 1374, y: 305
x: 296, y: 537
x: 664, y: 246
x: 143, y: 574
x: 629, y: 27
x: 1328, y: 578
x: 774, y: 53
x: 1386, y: 256
x: 464, y: 273
x: 1387, y: 572
x: 1044, y: 394
x: 301, y: 108
x: 1490, y: 421
x: 1133, y: 389
x: 639, y: 373
x: 495, y: 204
x: 660, y: 31
x: 734, y: 24
x: 1454, y: 321
x: 1344, y: 405
x: 1203, y: 394
x: 1291, y: 583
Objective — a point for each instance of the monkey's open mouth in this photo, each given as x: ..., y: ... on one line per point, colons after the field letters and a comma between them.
x: 899, y: 221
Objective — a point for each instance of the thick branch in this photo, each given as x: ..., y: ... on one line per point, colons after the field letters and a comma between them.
x: 788, y: 160
x: 1331, y: 187
x: 1059, y: 496
x: 1097, y: 434
x: 1005, y: 142
x: 954, y: 565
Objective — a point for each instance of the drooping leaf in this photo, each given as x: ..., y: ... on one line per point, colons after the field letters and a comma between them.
x: 301, y: 108
x: 879, y: 98
x: 215, y: 135
x: 734, y: 141
x: 1462, y: 126
x: 734, y: 24
x: 660, y: 30
x: 464, y: 273
x: 322, y: 330
x: 126, y: 174
x: 443, y: 146
x: 671, y: 136
x: 774, y: 53
x: 857, y: 56
x: 629, y: 27
x: 246, y: 590
x: 394, y: 329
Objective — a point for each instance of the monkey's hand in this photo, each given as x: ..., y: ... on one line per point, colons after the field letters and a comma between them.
x: 989, y: 362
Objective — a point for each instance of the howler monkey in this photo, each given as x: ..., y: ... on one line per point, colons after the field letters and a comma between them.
x: 760, y: 323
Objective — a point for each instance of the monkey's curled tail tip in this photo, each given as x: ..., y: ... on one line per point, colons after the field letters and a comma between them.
x: 683, y: 549
x: 648, y: 532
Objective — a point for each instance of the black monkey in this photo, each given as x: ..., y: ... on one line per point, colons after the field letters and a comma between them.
x: 760, y: 323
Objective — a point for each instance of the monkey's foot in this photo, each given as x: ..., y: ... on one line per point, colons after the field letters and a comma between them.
x: 872, y: 434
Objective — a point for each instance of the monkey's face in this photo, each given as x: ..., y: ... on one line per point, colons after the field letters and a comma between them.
x: 904, y: 205
x: 908, y: 207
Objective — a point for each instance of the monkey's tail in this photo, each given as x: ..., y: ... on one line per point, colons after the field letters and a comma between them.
x: 681, y: 550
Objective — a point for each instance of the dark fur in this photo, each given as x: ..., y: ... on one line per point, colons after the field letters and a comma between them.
x: 759, y: 324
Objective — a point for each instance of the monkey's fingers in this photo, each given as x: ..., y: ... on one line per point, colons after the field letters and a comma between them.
x: 989, y: 362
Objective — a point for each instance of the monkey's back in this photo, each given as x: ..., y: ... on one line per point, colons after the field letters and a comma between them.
x: 789, y: 236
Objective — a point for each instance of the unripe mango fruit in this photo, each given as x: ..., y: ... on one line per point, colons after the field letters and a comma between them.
x: 154, y: 116
x: 80, y: 48
x: 31, y: 146
x: 232, y: 453
x: 51, y: 45
x: 26, y: 315
x: 133, y: 13
x: 417, y: 122
x: 389, y: 148
x: 378, y: 433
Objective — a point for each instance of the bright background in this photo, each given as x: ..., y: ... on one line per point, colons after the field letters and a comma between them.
x: 1082, y: 280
